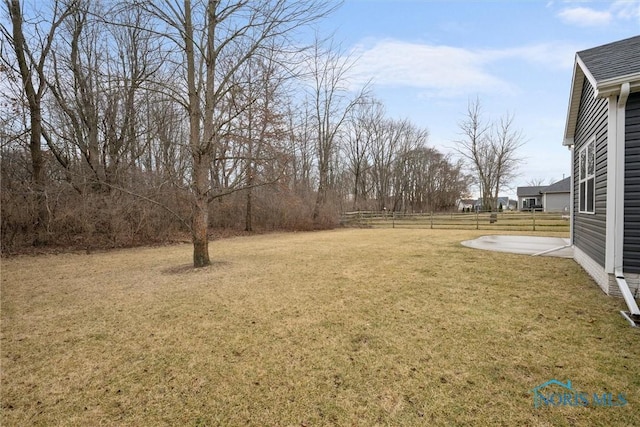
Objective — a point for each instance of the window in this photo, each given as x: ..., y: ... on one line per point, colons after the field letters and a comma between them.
x: 587, y: 175
x: 528, y: 203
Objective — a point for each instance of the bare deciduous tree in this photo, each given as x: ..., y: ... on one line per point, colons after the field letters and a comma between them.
x: 31, y: 61
x: 260, y: 126
x: 505, y: 141
x: 392, y: 139
x: 358, y: 143
x: 475, y: 147
x: 125, y: 121
x: 411, y: 141
x: 540, y: 182
x: 217, y: 38
x: 491, y: 151
x: 331, y: 102
x: 428, y: 181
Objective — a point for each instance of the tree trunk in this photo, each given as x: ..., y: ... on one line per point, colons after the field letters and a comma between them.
x: 318, y: 206
x: 199, y: 228
x: 200, y: 220
x: 249, y: 214
x: 39, y: 183
x: 355, y: 187
x: 34, y: 98
x: 321, y: 197
x: 200, y: 153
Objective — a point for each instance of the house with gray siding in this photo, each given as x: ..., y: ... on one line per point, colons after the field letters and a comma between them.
x: 548, y: 198
x: 557, y: 196
x: 603, y: 133
x: 530, y: 197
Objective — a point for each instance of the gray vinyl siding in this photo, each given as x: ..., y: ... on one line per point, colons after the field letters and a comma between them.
x: 556, y: 202
x: 631, y: 261
x: 589, y: 229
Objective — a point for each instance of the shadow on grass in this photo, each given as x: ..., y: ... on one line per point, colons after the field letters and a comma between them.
x: 190, y: 269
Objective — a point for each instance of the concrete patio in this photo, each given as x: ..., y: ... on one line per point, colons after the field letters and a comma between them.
x: 526, y: 245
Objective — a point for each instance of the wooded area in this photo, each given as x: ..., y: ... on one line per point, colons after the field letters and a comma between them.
x: 133, y: 122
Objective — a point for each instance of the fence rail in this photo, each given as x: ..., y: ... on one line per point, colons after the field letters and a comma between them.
x: 516, y: 221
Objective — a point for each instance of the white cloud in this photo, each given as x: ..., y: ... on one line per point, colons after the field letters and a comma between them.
x: 446, y: 71
x: 585, y: 17
x: 438, y: 68
x: 550, y: 55
x: 625, y: 9
x: 589, y: 17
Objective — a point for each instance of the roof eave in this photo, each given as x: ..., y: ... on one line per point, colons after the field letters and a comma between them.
x: 577, y: 83
x: 611, y: 87
x: 602, y: 89
x: 586, y: 71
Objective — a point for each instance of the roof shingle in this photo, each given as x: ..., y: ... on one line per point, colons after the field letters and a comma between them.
x: 530, y: 191
x: 562, y: 186
x: 613, y: 60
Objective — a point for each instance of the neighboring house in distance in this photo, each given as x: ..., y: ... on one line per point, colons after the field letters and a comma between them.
x: 512, y: 205
x: 530, y: 198
x: 603, y: 133
x: 557, y: 196
x: 549, y: 198
x: 465, y: 204
x: 502, y: 200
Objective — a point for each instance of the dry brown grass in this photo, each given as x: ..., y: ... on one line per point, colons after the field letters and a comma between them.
x: 351, y: 327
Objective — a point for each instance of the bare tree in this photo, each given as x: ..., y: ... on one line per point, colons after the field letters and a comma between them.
x: 31, y: 61
x: 428, y: 181
x: 302, y: 137
x: 97, y: 94
x: 491, y: 151
x: 260, y: 126
x: 217, y: 38
x: 505, y: 141
x: 331, y: 102
x: 148, y: 112
x: 475, y: 147
x: 410, y: 142
x: 358, y: 143
x: 540, y: 182
x: 391, y: 140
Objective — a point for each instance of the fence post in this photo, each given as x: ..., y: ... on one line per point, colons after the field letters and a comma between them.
x: 431, y: 219
x: 477, y: 220
x: 393, y: 219
x: 533, y: 215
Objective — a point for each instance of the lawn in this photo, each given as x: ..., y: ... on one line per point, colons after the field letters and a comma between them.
x: 357, y: 327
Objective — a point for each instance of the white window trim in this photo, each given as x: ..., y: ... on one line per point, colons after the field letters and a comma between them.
x: 587, y: 177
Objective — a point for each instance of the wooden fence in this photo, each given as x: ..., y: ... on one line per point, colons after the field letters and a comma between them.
x: 515, y: 221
